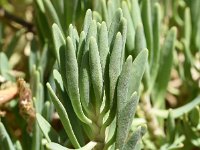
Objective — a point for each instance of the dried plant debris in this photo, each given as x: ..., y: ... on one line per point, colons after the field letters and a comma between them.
x: 26, y: 107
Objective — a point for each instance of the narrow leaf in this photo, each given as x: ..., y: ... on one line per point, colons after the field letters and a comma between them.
x: 92, y: 31
x: 49, y: 133
x: 6, y: 143
x: 59, y: 41
x: 87, y: 21
x: 124, y: 119
x: 139, y: 66
x: 51, y: 13
x: 96, y: 71
x: 103, y: 46
x: 135, y: 138
x: 147, y: 22
x: 55, y: 146
x: 135, y: 13
x: 114, y: 66
x: 81, y: 47
x: 156, y: 44
x: 104, y: 11
x: 85, y: 84
x: 114, y: 27
x: 123, y: 84
x: 72, y: 81
x: 63, y: 117
x: 165, y: 67
x: 123, y: 30
x: 140, y: 40
x: 130, y: 43
x: 178, y: 111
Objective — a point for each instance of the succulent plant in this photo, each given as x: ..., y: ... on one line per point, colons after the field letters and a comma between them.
x: 97, y: 87
x: 76, y: 74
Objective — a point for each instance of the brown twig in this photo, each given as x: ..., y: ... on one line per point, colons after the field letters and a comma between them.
x: 8, y: 94
x: 152, y: 122
x: 8, y: 17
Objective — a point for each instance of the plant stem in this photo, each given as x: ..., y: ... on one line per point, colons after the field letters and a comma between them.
x: 153, y: 126
x: 8, y: 94
x: 8, y: 17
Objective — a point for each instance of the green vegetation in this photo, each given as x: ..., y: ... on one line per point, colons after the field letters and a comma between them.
x: 99, y: 74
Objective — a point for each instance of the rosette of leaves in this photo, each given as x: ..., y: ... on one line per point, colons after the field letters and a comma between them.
x: 96, y: 87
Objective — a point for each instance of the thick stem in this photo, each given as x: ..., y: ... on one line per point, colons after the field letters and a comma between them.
x: 8, y: 17
x: 153, y: 126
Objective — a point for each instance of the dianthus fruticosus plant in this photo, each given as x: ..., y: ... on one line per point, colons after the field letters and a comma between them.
x: 97, y: 87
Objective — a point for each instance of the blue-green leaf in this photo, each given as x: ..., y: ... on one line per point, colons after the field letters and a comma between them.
x: 130, y: 43
x: 147, y: 22
x: 87, y: 21
x: 135, y: 138
x: 55, y: 146
x: 96, y: 72
x: 5, y: 141
x: 73, y: 81
x: 51, y: 13
x: 114, y: 65
x: 165, y: 67
x: 49, y: 133
x: 135, y: 13
x: 59, y: 41
x: 114, y: 27
x: 139, y: 66
x: 63, y: 117
x: 124, y: 119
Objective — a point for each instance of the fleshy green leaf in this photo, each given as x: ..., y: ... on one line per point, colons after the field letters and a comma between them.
x: 85, y: 84
x: 123, y: 30
x: 123, y: 84
x: 194, y: 116
x: 135, y: 13
x: 55, y: 146
x: 51, y: 13
x: 165, y: 67
x: 139, y: 65
x: 130, y: 43
x: 156, y: 44
x: 49, y: 133
x: 114, y: 27
x: 140, y: 40
x: 92, y: 31
x: 147, y: 20
x: 87, y: 21
x: 63, y: 117
x: 72, y: 81
x: 103, y: 46
x: 73, y: 34
x: 81, y: 47
x: 96, y: 72
x: 59, y: 41
x: 178, y: 111
x: 135, y: 138
x: 170, y: 127
x: 104, y: 10
x: 13, y: 43
x: 124, y: 119
x: 114, y: 66
x: 5, y: 141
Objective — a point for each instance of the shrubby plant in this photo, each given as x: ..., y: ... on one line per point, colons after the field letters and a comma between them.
x: 83, y: 62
